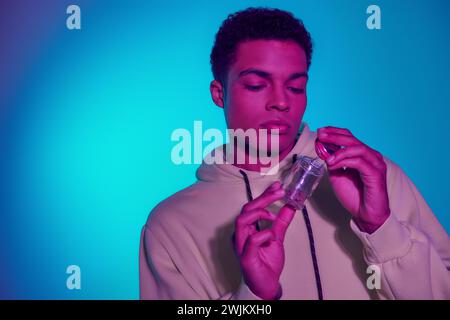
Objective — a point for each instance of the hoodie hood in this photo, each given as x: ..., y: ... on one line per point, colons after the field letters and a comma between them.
x: 227, y: 172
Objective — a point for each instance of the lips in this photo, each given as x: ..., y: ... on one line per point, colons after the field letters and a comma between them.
x: 282, y: 126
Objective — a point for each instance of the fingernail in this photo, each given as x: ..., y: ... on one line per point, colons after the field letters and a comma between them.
x: 279, y: 192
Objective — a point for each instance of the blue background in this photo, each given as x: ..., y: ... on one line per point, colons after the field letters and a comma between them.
x: 86, y: 118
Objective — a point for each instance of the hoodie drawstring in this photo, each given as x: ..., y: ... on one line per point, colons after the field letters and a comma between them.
x: 308, y: 228
x: 247, y: 185
x: 312, y: 248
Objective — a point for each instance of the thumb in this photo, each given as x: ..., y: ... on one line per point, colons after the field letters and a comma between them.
x: 283, y: 221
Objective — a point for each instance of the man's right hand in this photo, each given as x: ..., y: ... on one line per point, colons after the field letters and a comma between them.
x: 261, y: 253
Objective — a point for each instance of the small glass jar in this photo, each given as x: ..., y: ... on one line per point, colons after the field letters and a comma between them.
x: 305, y: 175
x: 302, y: 179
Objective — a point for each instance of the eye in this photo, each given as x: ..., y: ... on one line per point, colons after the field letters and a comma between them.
x: 254, y: 88
x: 297, y: 90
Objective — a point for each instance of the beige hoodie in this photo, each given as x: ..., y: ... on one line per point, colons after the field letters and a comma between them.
x: 186, y: 250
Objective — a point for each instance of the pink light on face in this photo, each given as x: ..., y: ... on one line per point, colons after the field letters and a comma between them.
x: 267, y: 89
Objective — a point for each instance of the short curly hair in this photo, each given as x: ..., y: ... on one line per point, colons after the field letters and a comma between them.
x: 255, y: 24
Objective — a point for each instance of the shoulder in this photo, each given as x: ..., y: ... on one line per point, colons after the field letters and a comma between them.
x: 176, y: 209
x: 394, y: 173
x: 398, y: 183
x: 404, y: 198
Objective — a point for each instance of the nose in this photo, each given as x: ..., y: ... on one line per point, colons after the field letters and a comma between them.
x: 278, y: 100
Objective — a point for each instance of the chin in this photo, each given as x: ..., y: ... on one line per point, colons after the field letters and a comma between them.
x: 286, y: 143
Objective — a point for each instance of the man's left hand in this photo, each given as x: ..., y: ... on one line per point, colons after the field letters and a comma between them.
x: 358, y: 177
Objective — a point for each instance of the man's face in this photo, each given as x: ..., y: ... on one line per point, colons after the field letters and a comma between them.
x: 266, y: 88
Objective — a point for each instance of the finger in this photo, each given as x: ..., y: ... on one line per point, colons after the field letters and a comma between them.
x: 270, y: 195
x: 283, y: 221
x: 254, y: 242
x: 330, y: 129
x: 357, y: 163
x: 362, y: 151
x: 245, y: 226
x: 250, y: 217
x: 338, y: 139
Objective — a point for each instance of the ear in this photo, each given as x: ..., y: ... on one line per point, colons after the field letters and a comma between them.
x: 217, y: 93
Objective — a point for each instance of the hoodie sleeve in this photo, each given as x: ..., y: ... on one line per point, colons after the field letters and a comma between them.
x: 411, y: 249
x: 161, y: 279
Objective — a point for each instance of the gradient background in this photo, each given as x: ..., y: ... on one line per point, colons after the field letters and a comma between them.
x: 86, y: 118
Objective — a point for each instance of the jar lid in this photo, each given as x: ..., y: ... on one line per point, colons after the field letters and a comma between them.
x: 325, y: 150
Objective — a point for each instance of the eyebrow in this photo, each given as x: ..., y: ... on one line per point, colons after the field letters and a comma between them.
x: 267, y: 75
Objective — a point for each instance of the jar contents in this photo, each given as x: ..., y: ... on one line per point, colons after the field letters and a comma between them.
x: 301, y: 181
x: 305, y: 175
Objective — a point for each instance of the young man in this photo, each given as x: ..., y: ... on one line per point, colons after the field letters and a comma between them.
x: 365, y: 215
